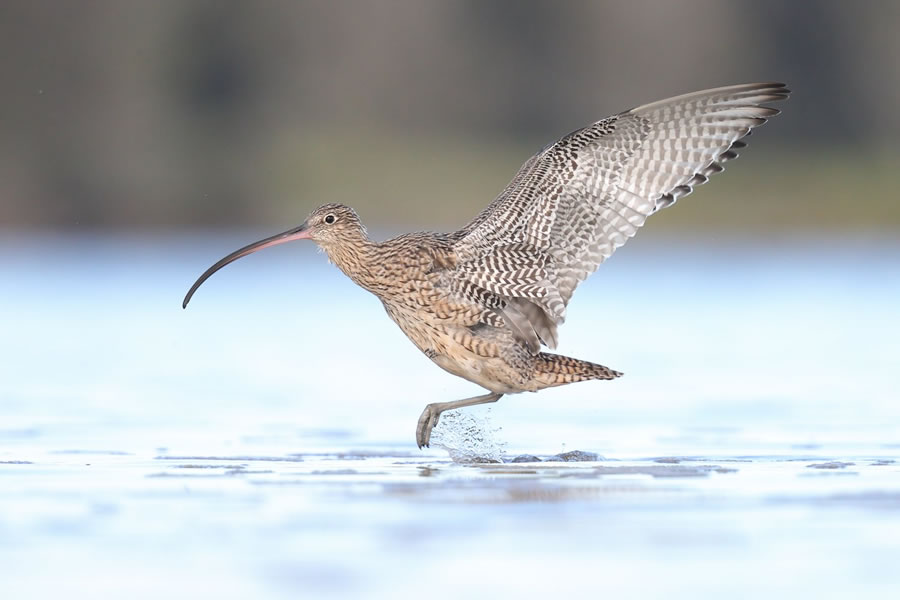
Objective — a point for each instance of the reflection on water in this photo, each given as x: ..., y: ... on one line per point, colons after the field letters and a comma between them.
x: 260, y: 444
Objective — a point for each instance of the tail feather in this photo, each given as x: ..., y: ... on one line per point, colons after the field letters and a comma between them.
x: 554, y: 369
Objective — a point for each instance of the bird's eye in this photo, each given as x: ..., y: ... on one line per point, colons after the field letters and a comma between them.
x: 329, y: 219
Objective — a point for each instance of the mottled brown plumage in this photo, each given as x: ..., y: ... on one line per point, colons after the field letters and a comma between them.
x: 480, y: 302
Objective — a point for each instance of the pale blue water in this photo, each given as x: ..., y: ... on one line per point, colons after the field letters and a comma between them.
x: 260, y: 443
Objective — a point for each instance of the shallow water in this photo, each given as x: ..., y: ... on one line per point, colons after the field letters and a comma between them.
x: 260, y: 443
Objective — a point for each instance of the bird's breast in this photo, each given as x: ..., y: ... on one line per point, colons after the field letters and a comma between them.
x: 480, y: 355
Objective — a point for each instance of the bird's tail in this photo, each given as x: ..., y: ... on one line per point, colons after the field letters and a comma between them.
x: 553, y: 369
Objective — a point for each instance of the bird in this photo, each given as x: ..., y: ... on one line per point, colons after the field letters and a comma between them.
x: 482, y: 302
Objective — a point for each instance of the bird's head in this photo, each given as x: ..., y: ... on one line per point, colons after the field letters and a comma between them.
x: 326, y: 226
x: 331, y: 223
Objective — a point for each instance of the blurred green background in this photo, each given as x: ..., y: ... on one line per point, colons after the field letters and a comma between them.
x: 171, y: 114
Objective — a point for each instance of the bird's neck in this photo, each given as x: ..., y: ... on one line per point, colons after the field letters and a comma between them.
x: 356, y: 255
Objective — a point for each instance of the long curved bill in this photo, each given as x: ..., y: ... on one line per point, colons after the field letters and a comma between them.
x: 297, y: 233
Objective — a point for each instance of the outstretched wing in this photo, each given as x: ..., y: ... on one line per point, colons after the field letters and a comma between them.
x: 572, y: 204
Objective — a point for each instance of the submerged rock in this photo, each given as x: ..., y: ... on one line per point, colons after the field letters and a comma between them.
x: 525, y: 458
x: 575, y: 456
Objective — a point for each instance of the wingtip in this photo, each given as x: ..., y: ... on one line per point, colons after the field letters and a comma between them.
x: 776, y: 88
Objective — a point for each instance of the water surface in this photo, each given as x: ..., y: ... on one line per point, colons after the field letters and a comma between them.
x: 260, y: 443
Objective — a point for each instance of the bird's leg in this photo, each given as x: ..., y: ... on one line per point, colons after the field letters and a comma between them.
x: 433, y: 411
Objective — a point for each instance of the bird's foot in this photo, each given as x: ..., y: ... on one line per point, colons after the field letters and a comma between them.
x: 427, y: 421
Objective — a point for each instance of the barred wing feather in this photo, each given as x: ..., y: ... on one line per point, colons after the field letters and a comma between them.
x: 572, y: 204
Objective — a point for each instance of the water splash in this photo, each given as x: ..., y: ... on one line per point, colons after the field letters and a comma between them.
x: 469, y: 437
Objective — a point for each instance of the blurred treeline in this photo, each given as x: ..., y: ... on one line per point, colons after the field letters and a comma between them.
x: 140, y: 114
